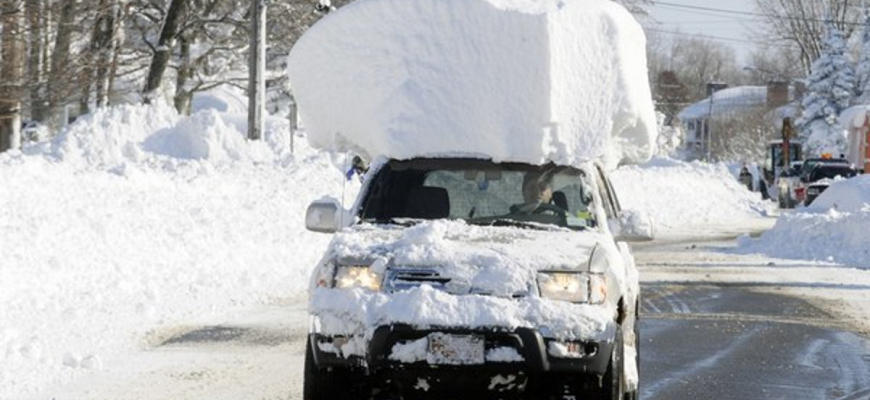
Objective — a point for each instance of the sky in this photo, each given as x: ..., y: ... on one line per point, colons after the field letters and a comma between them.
x: 727, y: 28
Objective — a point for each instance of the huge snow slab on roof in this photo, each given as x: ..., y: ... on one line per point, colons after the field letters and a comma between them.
x: 513, y: 80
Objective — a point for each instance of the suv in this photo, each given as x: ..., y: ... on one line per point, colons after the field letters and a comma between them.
x: 822, y: 176
x: 445, y: 280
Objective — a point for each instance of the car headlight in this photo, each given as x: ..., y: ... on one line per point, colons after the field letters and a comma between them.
x: 351, y: 276
x: 574, y: 287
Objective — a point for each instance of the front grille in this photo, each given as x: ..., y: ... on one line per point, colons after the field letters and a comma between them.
x: 408, y: 278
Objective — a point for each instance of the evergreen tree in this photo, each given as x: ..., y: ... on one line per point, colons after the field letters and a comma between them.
x: 830, y: 89
x: 862, y: 73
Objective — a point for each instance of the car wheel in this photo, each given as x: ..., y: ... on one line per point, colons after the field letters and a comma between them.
x: 635, y: 394
x: 328, y: 384
x: 613, y: 383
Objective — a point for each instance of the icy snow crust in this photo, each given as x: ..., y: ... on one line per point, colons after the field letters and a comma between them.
x: 498, y: 261
x: 513, y: 80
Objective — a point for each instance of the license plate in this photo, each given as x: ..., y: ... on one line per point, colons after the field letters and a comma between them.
x: 450, y: 349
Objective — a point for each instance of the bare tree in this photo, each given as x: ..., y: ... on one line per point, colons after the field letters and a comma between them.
x: 163, y: 50
x: 61, y: 65
x: 801, y: 23
x: 12, y: 70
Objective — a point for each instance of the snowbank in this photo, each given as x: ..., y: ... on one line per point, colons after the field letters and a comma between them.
x: 517, y: 80
x: 135, y: 219
x: 833, y: 228
x: 846, y: 195
x: 683, y: 196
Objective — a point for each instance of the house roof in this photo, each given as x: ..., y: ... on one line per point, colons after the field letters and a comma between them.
x: 727, y: 102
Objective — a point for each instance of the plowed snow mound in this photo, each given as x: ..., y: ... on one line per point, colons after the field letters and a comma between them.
x: 688, y: 196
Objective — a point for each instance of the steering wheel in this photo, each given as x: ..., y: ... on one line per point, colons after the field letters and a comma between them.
x: 544, y: 207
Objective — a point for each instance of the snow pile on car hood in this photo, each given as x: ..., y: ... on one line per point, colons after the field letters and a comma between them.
x: 500, y: 262
x: 833, y: 228
x: 688, y: 197
x: 513, y: 80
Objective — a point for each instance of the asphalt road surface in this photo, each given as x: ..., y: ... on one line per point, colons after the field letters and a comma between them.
x: 702, y: 338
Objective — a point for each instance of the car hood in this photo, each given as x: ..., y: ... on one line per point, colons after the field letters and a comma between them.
x: 462, y: 258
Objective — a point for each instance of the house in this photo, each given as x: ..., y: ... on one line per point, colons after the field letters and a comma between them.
x: 728, y: 110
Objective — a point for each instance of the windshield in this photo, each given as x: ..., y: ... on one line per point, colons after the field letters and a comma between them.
x: 831, y: 172
x: 480, y: 192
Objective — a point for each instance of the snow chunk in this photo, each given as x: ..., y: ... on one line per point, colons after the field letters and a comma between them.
x: 504, y: 354
x: 514, y: 80
x: 410, y: 352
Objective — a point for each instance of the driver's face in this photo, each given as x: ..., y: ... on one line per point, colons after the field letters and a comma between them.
x: 547, y: 195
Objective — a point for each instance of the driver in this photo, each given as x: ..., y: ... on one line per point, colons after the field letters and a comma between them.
x: 537, y: 191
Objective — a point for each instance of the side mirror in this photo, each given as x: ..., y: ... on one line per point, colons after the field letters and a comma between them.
x: 324, y: 216
x: 632, y: 226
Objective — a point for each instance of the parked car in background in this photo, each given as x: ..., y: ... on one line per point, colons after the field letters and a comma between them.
x: 823, y: 175
x: 806, y: 175
x: 786, y: 183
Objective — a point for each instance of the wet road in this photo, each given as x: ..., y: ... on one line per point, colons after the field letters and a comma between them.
x: 727, y: 341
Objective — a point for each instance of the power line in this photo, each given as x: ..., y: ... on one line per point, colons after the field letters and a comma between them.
x: 746, y: 13
x: 718, y: 38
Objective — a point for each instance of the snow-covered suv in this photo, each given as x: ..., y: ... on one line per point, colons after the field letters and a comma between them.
x: 466, y: 278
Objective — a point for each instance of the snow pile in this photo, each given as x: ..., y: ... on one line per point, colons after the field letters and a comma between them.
x: 682, y: 196
x: 108, y: 238
x: 833, y: 228
x: 518, y: 80
x: 846, y: 195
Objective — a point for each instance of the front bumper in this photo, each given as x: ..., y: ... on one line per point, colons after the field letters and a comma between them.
x: 529, y: 343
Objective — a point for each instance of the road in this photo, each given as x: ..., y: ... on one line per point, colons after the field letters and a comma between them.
x: 705, y: 334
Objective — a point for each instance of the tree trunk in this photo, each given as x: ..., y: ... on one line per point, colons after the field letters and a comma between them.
x: 60, y: 77
x: 12, y: 70
x: 35, y: 60
x: 163, y: 51
x: 104, y: 41
x: 183, y: 94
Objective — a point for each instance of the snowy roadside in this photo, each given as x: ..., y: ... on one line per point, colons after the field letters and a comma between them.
x: 138, y: 219
x: 833, y: 229
x: 692, y: 199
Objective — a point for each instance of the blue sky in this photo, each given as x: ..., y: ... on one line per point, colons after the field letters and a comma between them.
x: 727, y: 28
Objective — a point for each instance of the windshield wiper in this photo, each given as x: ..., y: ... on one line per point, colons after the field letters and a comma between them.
x: 395, y: 221
x: 512, y: 222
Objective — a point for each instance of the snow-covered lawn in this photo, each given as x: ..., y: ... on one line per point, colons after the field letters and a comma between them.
x: 136, y: 219
x: 833, y: 229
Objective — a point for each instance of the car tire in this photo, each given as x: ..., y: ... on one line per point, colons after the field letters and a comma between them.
x: 635, y: 394
x: 328, y: 384
x: 613, y: 382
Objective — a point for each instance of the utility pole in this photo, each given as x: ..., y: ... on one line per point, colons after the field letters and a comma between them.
x: 257, y: 71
